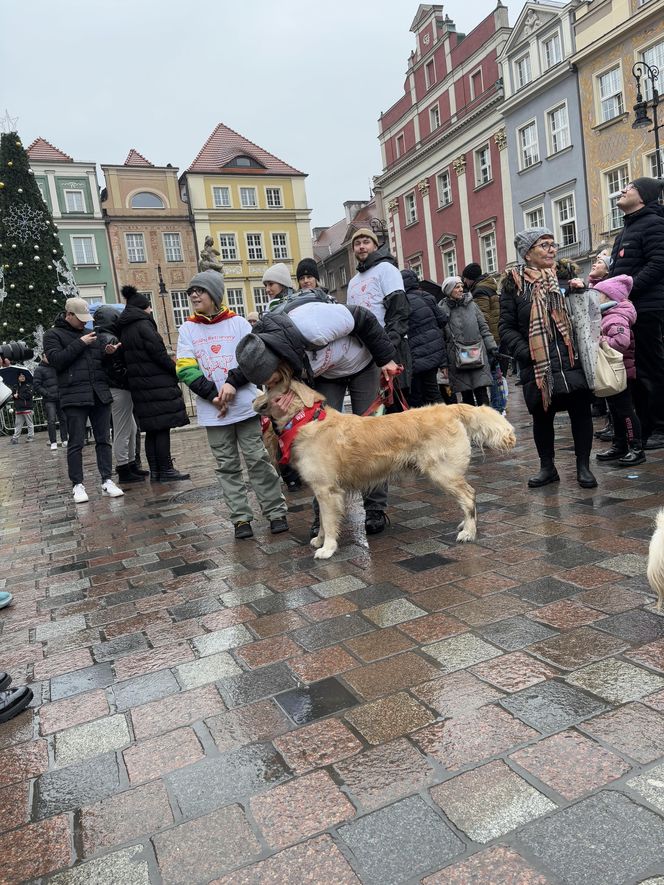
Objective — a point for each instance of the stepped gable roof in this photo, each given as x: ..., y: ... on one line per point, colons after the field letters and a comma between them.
x: 43, y: 150
x: 136, y: 159
x: 224, y: 145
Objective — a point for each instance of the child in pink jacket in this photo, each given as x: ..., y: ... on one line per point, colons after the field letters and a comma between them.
x: 618, y: 317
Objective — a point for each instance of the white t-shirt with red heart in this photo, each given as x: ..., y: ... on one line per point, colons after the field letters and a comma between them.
x: 368, y: 289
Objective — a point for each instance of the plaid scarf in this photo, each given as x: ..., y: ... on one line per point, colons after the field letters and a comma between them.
x: 548, y: 303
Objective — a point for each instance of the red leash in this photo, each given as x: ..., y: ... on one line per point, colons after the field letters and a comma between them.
x: 386, y: 393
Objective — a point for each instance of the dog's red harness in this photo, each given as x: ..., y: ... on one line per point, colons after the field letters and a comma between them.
x: 286, y: 437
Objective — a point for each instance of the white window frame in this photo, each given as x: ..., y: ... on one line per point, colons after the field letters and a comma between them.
x: 450, y: 266
x: 483, y: 171
x: 564, y: 224
x: 653, y: 56
x: 605, y: 97
x: 343, y: 278
x: 400, y: 145
x: 173, y: 252
x: 228, y: 246
x: 410, y: 208
x: 246, y: 192
x: 489, y: 251
x: 280, y: 200
x: 280, y: 251
x: 137, y: 249
x: 235, y: 300
x: 415, y: 264
x: 561, y: 134
x: 473, y: 74
x: 73, y: 192
x: 93, y: 250
x: 429, y: 81
x: 534, y: 222
x: 613, y: 193
x: 651, y: 163
x: 434, y: 117
x: 148, y: 295
x: 255, y: 247
x: 444, y: 188
x: 519, y: 71
x: 556, y: 39
x: 333, y: 281
x: 261, y: 299
x: 221, y: 197
x: 528, y: 139
x: 180, y: 307
x: 42, y: 190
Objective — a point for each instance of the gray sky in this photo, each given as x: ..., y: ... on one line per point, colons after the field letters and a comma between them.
x: 305, y: 80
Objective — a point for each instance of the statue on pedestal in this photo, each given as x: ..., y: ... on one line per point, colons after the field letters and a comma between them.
x: 209, y: 257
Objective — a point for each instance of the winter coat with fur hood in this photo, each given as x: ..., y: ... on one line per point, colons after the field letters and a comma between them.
x: 617, y: 322
x: 465, y: 324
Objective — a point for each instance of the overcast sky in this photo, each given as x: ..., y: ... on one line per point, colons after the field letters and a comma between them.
x: 304, y: 80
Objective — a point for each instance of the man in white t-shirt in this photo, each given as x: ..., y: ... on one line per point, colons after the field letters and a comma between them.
x: 206, y: 363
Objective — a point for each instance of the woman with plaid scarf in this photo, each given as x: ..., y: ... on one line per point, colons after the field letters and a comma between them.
x: 536, y: 328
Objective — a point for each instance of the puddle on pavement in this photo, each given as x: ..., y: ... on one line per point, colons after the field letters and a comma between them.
x: 315, y: 701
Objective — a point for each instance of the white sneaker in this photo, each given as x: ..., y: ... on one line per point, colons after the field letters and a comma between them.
x: 64, y: 444
x: 54, y: 446
x: 80, y: 495
x: 110, y: 489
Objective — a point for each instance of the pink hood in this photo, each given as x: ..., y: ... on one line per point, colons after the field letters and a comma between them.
x: 617, y: 325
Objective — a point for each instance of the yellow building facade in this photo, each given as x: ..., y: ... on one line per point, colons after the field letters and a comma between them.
x: 254, y: 206
x: 611, y: 36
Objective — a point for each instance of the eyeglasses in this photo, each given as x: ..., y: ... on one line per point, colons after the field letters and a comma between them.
x: 628, y: 187
x: 548, y: 246
x: 196, y: 290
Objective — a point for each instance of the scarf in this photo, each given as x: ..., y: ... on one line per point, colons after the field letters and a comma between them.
x: 548, y: 303
x: 225, y: 313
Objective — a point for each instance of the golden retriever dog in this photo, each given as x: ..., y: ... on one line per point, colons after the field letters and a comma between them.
x: 345, y: 453
x: 655, y: 570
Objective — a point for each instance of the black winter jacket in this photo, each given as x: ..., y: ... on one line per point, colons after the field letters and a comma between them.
x: 514, y: 330
x: 639, y: 252
x: 106, y: 325
x: 157, y: 397
x: 425, y: 325
x: 46, y: 383
x: 22, y: 397
x: 81, y: 377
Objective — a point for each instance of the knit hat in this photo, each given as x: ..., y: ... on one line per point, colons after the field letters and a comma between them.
x: 79, y: 307
x: 617, y: 288
x: 449, y: 283
x: 307, y: 268
x: 213, y: 283
x: 252, y: 316
x: 364, y: 232
x: 472, y: 271
x: 280, y: 274
x: 133, y: 297
x: 255, y: 359
x: 605, y: 257
x: 649, y: 189
x: 526, y: 239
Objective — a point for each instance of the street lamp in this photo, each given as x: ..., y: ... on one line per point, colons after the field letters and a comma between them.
x: 163, y: 292
x: 642, y: 70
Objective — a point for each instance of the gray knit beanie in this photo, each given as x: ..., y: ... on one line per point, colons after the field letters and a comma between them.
x: 526, y: 239
x: 280, y: 274
x: 213, y: 283
x: 449, y: 283
x: 255, y: 359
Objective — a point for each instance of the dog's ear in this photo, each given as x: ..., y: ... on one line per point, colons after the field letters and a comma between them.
x: 260, y: 404
x: 306, y: 394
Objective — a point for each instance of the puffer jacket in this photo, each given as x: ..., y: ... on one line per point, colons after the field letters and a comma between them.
x: 515, y: 305
x: 425, y: 325
x: 485, y: 295
x: 45, y: 383
x: 639, y: 252
x: 465, y: 324
x: 81, y: 377
x: 23, y: 400
x: 154, y: 387
x: 106, y: 325
x: 617, y: 322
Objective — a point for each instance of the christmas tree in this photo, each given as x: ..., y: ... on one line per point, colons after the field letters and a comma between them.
x: 35, y: 279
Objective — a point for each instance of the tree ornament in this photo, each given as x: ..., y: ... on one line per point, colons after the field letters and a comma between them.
x: 20, y: 264
x: 12, y: 285
x: 39, y: 310
x: 36, y: 247
x: 18, y: 303
x: 20, y: 190
x: 25, y: 223
x: 49, y: 267
x: 55, y: 251
x: 4, y: 324
x: 18, y: 144
x: 13, y: 245
x: 30, y: 172
x: 37, y: 258
x: 31, y: 286
x: 10, y: 162
x: 21, y: 329
x: 2, y: 184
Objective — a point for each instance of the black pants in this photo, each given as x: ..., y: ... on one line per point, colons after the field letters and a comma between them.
x: 649, y: 387
x: 54, y: 414
x: 424, y: 389
x: 626, y: 424
x: 100, y: 418
x: 577, y: 406
x: 478, y: 396
x: 158, y: 449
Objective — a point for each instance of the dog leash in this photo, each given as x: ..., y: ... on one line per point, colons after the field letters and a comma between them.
x: 386, y: 394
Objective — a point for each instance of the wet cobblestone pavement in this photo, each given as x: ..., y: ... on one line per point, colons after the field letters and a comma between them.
x: 412, y: 711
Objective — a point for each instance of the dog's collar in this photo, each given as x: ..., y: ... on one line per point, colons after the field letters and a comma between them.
x: 286, y: 436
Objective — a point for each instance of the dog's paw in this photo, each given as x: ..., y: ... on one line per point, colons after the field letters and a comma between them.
x: 323, y: 554
x: 318, y: 541
x: 466, y: 535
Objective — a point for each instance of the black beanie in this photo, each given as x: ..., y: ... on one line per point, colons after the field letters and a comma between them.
x: 134, y: 298
x: 307, y: 267
x: 472, y: 271
x: 649, y: 189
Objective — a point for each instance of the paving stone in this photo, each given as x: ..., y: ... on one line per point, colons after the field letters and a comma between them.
x: 634, y: 730
x: 155, y: 756
x: 193, y: 851
x: 399, y: 843
x: 457, y: 694
x: 579, y: 647
x: 611, y: 599
x: 515, y: 633
x: 221, y: 640
x: 280, y: 602
x: 123, y: 645
x: 604, y: 840
x: 195, y: 608
x: 128, y: 866
x: 545, y: 590
x: 245, y: 725
x: 14, y: 806
x: 616, y: 681
x: 320, y: 664
x: 490, y: 801
x: 70, y: 788
x: 460, y: 652
x: 392, y: 674
x: 196, y: 673
x: 656, y: 701
x: 396, y: 611
x: 650, y: 655
x: 124, y: 817
x: 338, y: 586
x: 332, y: 631
x: 85, y: 679
x: 63, y: 627
x: 389, y: 718
x: 26, y: 760
x: 72, y: 711
x: 36, y: 850
x: 432, y: 627
x: 490, y: 609
x: 171, y: 712
x: 249, y: 687
x: 650, y: 786
x: 375, y: 594
x: 631, y: 564
x: 144, y: 689
x: 91, y: 739
x: 317, y: 745
x: 268, y: 651
x: 551, y: 705
x: 497, y: 865
x: 314, y: 701
x: 246, y: 594
x: 379, y: 644
x: 564, y: 614
x: 635, y: 626
x: 515, y: 671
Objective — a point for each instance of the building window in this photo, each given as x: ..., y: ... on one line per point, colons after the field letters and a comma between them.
x: 42, y: 190
x: 565, y: 215
x: 652, y: 163
x: 74, y: 201
x: 553, y: 53
x: 476, y: 84
x: 333, y: 281
x: 528, y: 146
x: 273, y: 197
x: 616, y: 180
x: 255, y: 247
x: 450, y: 262
x: 434, y: 117
x: 410, y: 208
x: 483, y: 165
x: 135, y: 248
x: 83, y: 250
x: 558, y: 129
x: 401, y: 145
x: 489, y: 252
x: 146, y: 200
x: 342, y: 276
x: 221, y: 197
x: 415, y: 265
x: 522, y: 71
x: 279, y: 246
x: 444, y: 185
x: 655, y: 58
x: 534, y: 217
x: 610, y: 94
x: 430, y: 73
x: 181, y: 309
x: 235, y: 299
x: 248, y: 197
x: 261, y: 299
x: 228, y: 247
x: 148, y: 295
x: 173, y: 247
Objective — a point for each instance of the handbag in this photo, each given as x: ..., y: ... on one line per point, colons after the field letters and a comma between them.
x: 469, y: 356
x: 610, y: 372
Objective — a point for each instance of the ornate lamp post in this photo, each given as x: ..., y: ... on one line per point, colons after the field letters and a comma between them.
x: 163, y: 293
x: 649, y: 73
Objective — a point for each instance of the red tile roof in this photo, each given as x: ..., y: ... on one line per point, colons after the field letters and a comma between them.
x: 43, y: 150
x: 224, y: 144
x: 136, y: 159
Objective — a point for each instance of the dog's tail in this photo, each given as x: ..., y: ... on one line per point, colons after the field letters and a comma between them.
x: 656, y: 560
x: 486, y: 426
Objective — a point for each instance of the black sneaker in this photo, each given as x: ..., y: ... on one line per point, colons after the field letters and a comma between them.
x: 655, y: 441
x: 278, y: 525
x: 243, y: 530
x: 14, y: 701
x: 375, y: 522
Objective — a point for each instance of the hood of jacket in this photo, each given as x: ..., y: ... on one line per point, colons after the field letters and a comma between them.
x: 622, y: 311
x: 382, y: 253
x: 453, y: 303
x: 132, y: 315
x: 282, y: 336
x: 106, y: 319
x: 648, y: 209
x: 410, y: 280
x: 485, y: 285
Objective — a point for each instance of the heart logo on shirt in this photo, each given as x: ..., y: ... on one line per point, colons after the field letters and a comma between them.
x: 215, y: 348
x: 363, y: 288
